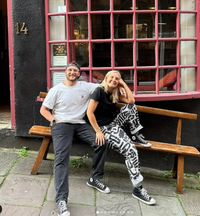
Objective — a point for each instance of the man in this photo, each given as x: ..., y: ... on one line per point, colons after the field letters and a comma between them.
x: 68, y: 102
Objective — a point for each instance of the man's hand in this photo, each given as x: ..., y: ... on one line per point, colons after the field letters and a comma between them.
x: 100, y: 138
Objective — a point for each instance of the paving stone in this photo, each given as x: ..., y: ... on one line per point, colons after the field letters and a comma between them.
x: 165, y: 206
x: 117, y: 204
x: 1, y: 179
x: 25, y: 164
x: 159, y: 186
x: 190, y: 200
x: 23, y: 190
x: 9, y: 210
x: 6, y: 161
x: 79, y: 192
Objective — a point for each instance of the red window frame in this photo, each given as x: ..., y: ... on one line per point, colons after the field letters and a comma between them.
x: 139, y: 97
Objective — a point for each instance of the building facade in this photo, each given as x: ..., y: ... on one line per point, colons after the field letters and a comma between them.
x: 153, y: 43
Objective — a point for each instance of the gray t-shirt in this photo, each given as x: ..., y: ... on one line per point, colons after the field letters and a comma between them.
x: 69, y: 103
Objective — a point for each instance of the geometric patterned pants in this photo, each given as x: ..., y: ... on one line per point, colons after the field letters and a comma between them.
x: 119, y: 141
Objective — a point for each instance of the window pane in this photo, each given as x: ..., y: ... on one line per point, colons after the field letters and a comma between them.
x: 187, y: 52
x: 58, y: 55
x: 101, y: 54
x: 100, y: 26
x: 100, y: 5
x: 167, y: 53
x: 145, y: 53
x: 77, y: 5
x: 127, y: 76
x: 57, y: 6
x: 123, y: 27
x: 167, y: 25
x: 57, y: 28
x: 97, y: 76
x: 57, y: 77
x: 78, y: 26
x: 167, y: 80
x: 146, y: 81
x: 188, y: 79
x: 79, y: 52
x: 125, y: 59
x: 167, y: 4
x: 145, y: 4
x: 145, y: 27
x: 187, y: 5
x: 122, y: 5
x: 187, y: 25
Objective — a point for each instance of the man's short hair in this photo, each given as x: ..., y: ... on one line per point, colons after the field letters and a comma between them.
x: 75, y: 64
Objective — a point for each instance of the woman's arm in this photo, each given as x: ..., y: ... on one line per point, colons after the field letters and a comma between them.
x: 100, y: 138
x: 129, y: 95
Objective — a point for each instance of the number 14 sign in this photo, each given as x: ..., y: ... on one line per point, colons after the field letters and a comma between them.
x: 23, y: 28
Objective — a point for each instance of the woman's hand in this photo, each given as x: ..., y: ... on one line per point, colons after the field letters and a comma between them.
x: 100, y: 138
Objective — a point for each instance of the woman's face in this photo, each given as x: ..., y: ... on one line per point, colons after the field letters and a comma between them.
x: 113, y: 80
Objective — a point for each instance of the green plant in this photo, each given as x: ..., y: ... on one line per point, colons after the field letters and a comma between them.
x: 168, y: 174
x: 198, y: 175
x: 23, y: 152
x: 77, y: 162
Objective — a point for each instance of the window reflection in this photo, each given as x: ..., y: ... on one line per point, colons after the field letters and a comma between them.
x: 57, y: 6
x: 123, y: 27
x: 145, y: 27
x: 57, y: 28
x: 78, y: 26
x: 79, y: 51
x: 167, y: 80
x: 187, y: 5
x: 167, y: 4
x: 101, y: 54
x: 100, y: 5
x: 187, y: 25
x: 167, y: 53
x: 122, y: 5
x: 125, y: 58
x: 145, y: 4
x: 166, y: 25
x: 100, y: 26
x: 145, y: 53
x: 77, y: 5
x: 146, y: 80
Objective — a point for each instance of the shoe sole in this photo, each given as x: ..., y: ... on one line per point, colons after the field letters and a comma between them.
x: 148, y: 203
x: 105, y: 192
x: 66, y: 214
x: 144, y: 145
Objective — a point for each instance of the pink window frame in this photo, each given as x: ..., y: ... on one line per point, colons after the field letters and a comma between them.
x: 139, y: 97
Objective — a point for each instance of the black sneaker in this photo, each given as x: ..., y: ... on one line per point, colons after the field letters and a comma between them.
x: 96, y: 183
x: 139, y: 138
x: 142, y: 195
x: 62, y: 208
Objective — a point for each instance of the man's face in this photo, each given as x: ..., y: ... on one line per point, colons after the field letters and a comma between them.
x: 72, y: 73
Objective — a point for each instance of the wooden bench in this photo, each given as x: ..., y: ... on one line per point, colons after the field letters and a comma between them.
x: 175, y: 148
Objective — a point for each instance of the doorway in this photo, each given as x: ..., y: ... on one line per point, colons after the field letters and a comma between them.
x: 4, y: 68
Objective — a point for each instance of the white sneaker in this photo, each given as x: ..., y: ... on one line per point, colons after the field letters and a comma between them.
x: 62, y: 208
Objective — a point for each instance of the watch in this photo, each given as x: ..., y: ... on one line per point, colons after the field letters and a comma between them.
x: 53, y: 122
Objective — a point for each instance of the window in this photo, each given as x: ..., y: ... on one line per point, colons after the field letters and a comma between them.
x: 153, y: 43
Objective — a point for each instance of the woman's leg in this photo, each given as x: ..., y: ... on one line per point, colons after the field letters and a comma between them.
x: 119, y: 141
x: 128, y: 116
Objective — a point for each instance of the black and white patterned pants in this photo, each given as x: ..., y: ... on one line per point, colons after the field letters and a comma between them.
x: 119, y: 141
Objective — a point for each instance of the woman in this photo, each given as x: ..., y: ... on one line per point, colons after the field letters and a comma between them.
x: 100, y: 112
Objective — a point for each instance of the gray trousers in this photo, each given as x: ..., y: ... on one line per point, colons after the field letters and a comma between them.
x: 62, y: 135
x: 119, y: 141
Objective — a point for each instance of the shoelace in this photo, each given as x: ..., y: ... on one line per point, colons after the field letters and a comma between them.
x: 145, y: 194
x: 141, y: 138
x: 63, y: 206
x: 100, y: 184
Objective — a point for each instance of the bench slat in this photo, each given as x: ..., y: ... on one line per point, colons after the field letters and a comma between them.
x: 156, y: 146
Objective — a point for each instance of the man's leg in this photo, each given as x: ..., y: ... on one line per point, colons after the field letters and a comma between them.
x: 86, y: 133
x: 62, y: 135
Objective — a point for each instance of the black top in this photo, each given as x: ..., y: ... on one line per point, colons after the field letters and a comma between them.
x: 106, y: 109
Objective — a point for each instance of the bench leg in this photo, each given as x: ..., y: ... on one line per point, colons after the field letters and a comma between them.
x: 41, y: 154
x: 180, y: 173
x: 175, y: 166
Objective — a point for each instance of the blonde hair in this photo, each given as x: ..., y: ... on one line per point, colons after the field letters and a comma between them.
x: 114, y: 96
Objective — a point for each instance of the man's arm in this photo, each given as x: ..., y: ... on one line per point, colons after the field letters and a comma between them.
x: 44, y: 111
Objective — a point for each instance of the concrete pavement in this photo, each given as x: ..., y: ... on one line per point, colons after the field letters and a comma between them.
x: 22, y: 194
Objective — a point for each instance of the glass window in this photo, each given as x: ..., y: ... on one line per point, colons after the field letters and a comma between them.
x: 154, y: 45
